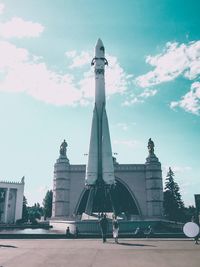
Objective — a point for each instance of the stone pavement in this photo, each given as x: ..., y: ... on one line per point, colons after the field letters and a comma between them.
x: 93, y: 253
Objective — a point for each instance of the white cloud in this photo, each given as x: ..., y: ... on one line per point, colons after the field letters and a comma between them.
x: 71, y: 54
x: 176, y: 59
x: 147, y: 93
x: 17, y: 27
x: 87, y: 85
x: 116, y: 79
x: 190, y: 102
x: 21, y: 72
x: 2, y: 6
x: 79, y: 60
x: 133, y: 98
x: 129, y: 143
x: 132, y: 101
x: 122, y: 125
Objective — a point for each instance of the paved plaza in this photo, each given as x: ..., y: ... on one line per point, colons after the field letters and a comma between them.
x: 93, y: 253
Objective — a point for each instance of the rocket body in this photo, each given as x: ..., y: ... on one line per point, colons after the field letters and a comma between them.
x: 99, y: 169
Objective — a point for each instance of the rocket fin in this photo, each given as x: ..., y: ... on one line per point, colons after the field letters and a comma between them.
x: 107, y: 160
x: 92, y: 166
x: 90, y: 201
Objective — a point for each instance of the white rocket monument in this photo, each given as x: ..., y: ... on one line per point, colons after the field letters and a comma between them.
x: 100, y: 169
x: 100, y: 162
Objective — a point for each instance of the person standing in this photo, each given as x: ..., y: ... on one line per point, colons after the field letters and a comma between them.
x: 149, y: 232
x: 196, y: 238
x: 115, y: 225
x: 68, y: 232
x: 104, y: 227
x: 138, y: 232
x: 76, y: 232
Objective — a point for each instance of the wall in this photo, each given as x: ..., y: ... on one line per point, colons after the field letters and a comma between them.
x: 13, y: 201
x: 140, y: 180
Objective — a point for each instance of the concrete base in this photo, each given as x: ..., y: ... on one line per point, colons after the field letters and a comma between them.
x: 91, y: 227
x: 88, y: 226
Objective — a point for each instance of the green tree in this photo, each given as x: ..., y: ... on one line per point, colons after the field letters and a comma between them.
x: 35, y: 212
x: 189, y: 212
x: 173, y: 204
x: 25, y: 210
x: 47, y: 204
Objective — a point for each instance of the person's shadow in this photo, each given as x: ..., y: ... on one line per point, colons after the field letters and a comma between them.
x: 7, y: 246
x: 134, y: 245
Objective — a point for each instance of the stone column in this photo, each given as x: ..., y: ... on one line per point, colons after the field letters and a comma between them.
x: 6, y: 205
x: 19, y: 200
x: 61, y: 186
x: 154, y: 185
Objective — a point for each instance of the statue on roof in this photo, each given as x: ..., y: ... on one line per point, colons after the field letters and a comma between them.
x: 150, y: 146
x: 63, y: 148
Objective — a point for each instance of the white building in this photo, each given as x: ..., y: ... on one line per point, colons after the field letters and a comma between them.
x: 11, y: 201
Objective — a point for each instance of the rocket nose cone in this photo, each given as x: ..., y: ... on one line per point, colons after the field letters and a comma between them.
x: 99, y: 49
x: 99, y: 43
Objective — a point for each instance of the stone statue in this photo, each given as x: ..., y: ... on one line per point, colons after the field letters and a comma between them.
x: 151, y: 147
x: 63, y: 148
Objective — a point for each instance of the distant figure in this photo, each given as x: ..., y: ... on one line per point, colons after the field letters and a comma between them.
x: 63, y: 148
x: 196, y: 238
x: 149, y: 232
x: 104, y: 227
x: 68, y: 232
x: 150, y: 146
x: 76, y: 232
x: 115, y: 225
x: 138, y: 232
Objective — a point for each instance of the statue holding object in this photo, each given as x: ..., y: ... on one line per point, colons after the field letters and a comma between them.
x: 151, y: 147
x: 63, y: 148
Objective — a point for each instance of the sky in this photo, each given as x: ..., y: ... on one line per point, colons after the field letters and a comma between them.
x: 47, y: 85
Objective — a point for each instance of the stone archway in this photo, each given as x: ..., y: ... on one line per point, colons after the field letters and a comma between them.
x: 123, y: 198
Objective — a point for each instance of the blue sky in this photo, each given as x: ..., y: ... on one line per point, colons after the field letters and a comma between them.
x: 47, y: 89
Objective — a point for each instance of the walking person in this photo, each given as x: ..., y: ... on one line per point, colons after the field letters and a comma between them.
x: 115, y: 225
x: 149, y: 232
x: 104, y: 227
